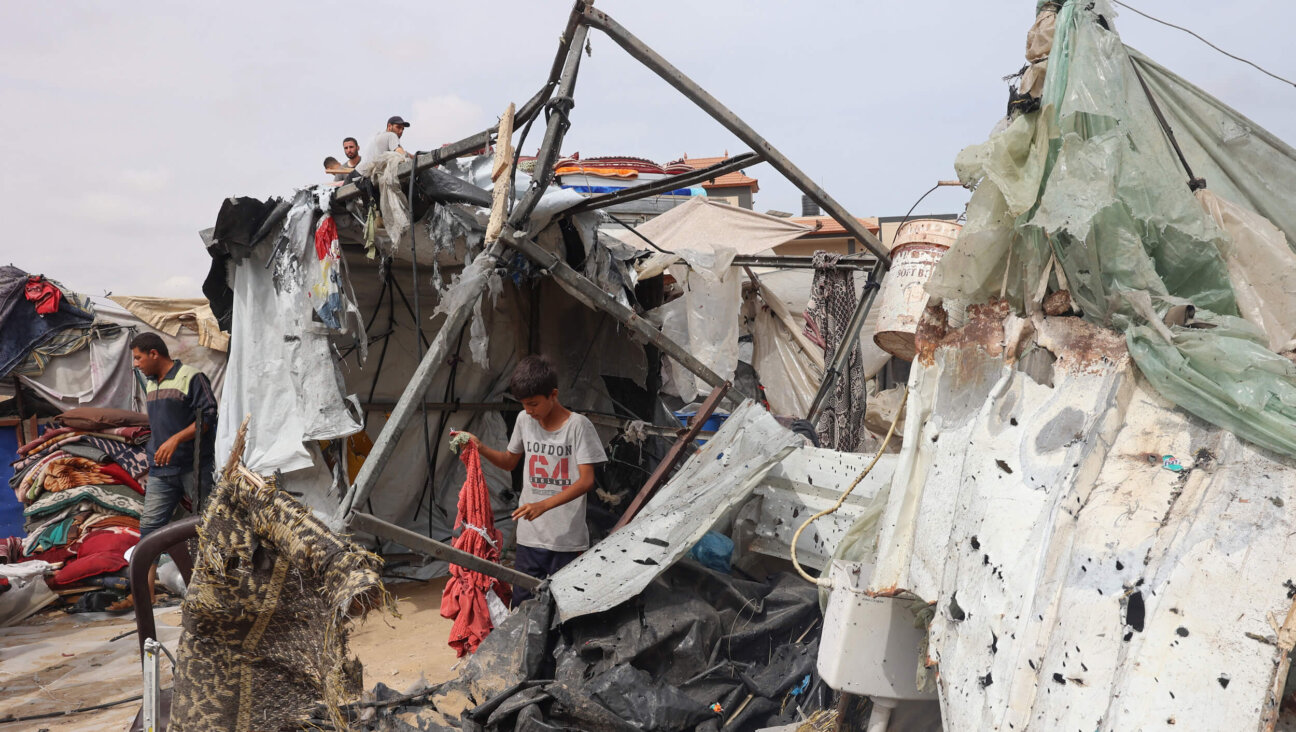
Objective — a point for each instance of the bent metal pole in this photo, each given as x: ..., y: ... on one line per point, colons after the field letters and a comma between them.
x: 722, y: 114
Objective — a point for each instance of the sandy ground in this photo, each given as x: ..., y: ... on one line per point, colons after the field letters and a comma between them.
x: 58, y: 662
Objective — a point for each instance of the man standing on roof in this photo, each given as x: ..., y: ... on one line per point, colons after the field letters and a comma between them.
x: 385, y: 141
x: 182, y: 417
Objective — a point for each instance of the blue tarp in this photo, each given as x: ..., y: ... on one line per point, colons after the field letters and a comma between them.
x: 11, y: 518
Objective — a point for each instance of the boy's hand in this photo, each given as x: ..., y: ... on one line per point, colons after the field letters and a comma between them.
x: 471, y: 437
x: 530, y: 511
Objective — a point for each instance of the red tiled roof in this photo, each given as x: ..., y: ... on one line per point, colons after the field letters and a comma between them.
x: 737, y: 179
x: 826, y: 226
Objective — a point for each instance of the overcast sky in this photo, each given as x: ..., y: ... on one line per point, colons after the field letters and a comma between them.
x: 127, y: 123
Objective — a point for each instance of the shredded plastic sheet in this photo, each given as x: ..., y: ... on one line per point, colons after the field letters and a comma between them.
x: 1261, y: 267
x: 712, y: 299
x: 789, y: 365
x: 281, y: 366
x: 1091, y: 182
x: 391, y: 199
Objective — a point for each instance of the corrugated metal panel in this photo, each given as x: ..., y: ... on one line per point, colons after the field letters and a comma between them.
x: 1080, y: 582
x: 717, y: 478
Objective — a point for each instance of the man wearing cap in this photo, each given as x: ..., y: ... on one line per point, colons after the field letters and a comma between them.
x: 385, y: 141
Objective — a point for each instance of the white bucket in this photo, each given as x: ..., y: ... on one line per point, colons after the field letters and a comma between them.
x: 918, y: 246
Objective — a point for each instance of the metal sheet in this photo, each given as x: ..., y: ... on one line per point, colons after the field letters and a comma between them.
x: 718, y: 477
x: 806, y: 482
x: 1081, y: 581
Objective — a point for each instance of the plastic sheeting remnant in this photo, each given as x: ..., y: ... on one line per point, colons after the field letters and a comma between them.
x: 1091, y: 183
x: 718, y: 477
x: 683, y: 654
x: 391, y: 199
x: 790, y: 366
x: 281, y: 366
x: 1262, y: 269
x: 711, y: 303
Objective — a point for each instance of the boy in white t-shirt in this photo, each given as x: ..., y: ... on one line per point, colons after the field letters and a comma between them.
x: 560, y: 449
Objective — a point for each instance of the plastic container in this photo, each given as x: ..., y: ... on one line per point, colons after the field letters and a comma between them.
x: 711, y: 425
x: 919, y: 245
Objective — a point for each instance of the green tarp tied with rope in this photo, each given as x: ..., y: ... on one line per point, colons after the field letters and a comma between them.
x: 1089, y: 192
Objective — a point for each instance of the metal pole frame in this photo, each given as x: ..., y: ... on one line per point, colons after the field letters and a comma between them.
x: 722, y: 114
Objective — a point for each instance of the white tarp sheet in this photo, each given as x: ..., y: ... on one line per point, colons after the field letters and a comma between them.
x: 281, y: 372
x: 702, y: 225
x: 715, y: 480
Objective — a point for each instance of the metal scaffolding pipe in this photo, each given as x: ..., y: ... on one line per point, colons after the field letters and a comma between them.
x: 722, y: 114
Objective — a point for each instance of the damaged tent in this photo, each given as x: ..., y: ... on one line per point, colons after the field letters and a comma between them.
x: 1100, y: 423
x: 74, y: 434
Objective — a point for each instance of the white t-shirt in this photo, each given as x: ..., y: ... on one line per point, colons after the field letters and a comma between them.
x: 550, y: 463
x: 384, y: 141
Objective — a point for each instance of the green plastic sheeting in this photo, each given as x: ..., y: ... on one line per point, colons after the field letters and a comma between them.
x: 1091, y: 182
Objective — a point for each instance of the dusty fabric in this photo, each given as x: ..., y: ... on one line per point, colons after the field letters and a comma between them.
x: 22, y: 328
x: 832, y: 302
x: 464, y: 597
x: 95, y: 418
x: 171, y: 315
x: 265, y: 617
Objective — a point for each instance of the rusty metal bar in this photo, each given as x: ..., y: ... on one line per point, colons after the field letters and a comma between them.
x: 433, y: 548
x: 674, y: 457
x: 722, y: 114
x: 653, y: 188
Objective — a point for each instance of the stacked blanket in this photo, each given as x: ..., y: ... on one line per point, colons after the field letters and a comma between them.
x: 83, y: 493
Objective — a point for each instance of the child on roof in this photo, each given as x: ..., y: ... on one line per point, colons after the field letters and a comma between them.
x: 560, y: 449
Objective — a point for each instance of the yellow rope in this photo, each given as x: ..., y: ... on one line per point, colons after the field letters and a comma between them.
x: 824, y: 581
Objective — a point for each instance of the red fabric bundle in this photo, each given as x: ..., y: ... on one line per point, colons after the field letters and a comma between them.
x: 464, y: 598
x: 42, y: 292
x: 121, y: 476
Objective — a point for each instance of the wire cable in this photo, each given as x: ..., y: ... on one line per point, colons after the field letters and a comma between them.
x: 1257, y: 67
x: 825, y: 581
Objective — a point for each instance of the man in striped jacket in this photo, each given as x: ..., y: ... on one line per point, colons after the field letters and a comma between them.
x: 182, y: 420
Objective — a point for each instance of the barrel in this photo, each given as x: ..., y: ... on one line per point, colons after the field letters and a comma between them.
x: 918, y: 246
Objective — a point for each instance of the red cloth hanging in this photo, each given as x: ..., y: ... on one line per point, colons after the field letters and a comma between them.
x: 42, y: 292
x: 464, y: 598
x: 325, y: 237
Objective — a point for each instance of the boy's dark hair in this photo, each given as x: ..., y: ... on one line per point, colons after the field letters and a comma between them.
x: 345, y: 140
x: 533, y: 376
x: 330, y: 162
x: 146, y: 342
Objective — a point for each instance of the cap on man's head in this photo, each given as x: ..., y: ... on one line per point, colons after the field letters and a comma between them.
x: 397, y: 121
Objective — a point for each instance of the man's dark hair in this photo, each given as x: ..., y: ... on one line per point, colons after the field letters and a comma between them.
x: 533, y: 376
x: 146, y: 342
x: 345, y: 140
x: 330, y: 162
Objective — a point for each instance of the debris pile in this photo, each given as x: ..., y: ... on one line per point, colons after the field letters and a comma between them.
x: 697, y: 649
